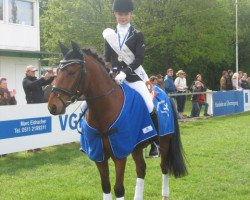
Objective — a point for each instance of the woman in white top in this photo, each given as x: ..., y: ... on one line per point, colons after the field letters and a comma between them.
x: 181, y: 87
x: 234, y: 81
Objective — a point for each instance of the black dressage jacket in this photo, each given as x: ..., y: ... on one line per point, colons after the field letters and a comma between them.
x: 135, y: 43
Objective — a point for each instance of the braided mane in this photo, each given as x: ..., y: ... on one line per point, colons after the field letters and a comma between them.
x: 94, y: 55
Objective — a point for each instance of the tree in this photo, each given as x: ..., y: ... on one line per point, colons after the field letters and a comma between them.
x: 192, y: 35
x: 244, y: 35
x: 81, y: 21
x: 197, y: 36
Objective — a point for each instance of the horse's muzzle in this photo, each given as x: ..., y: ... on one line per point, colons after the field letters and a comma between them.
x: 54, y: 110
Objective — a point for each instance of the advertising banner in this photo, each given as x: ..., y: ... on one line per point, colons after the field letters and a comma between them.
x: 227, y: 102
x: 25, y: 127
x: 246, y: 94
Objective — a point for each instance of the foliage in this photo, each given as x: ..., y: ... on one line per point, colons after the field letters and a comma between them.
x: 217, y: 151
x: 244, y: 35
x: 189, y: 35
x: 197, y: 36
x: 81, y: 21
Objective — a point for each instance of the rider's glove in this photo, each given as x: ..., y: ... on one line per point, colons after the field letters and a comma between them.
x: 120, y: 77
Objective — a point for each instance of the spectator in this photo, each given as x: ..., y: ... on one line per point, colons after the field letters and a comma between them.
x: 153, y: 80
x: 181, y: 87
x: 248, y: 80
x: 160, y: 81
x: 171, y: 89
x: 202, y: 102
x: 234, y: 80
x: 6, y: 97
x: 201, y: 97
x: 169, y: 83
x: 199, y: 78
x: 229, y: 83
x: 244, y: 82
x: 197, y: 87
x: 33, y: 86
x: 240, y: 79
x: 223, y: 80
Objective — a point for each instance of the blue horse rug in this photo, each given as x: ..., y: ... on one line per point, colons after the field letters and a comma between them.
x: 164, y: 112
x: 133, y: 126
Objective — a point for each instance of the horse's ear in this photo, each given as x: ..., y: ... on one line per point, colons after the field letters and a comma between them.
x: 75, y: 46
x: 64, y: 49
x: 77, y: 49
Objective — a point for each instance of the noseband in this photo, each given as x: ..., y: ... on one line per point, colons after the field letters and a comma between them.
x: 74, y: 96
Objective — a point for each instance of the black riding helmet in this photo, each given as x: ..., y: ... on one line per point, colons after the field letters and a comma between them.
x: 122, y: 6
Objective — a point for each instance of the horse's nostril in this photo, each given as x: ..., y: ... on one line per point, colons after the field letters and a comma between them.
x: 52, y: 109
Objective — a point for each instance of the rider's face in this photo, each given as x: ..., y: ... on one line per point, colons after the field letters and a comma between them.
x: 123, y: 18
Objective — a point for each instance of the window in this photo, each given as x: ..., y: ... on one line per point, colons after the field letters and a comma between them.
x: 1, y: 10
x: 21, y: 12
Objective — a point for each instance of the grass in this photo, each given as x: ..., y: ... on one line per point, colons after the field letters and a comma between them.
x: 217, y: 151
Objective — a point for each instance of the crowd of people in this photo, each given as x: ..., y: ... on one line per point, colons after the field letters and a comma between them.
x: 36, y: 89
x: 232, y: 81
x: 175, y: 87
x: 177, y: 90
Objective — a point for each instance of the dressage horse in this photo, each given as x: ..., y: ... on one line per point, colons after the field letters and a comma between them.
x: 83, y: 73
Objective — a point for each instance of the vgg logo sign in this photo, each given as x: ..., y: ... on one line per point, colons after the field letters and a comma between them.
x: 70, y: 120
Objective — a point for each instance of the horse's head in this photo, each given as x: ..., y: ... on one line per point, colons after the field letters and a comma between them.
x: 69, y: 83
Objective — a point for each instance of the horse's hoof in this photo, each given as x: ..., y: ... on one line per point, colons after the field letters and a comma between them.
x: 164, y: 198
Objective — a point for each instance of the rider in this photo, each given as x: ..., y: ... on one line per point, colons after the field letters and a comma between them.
x: 124, y: 52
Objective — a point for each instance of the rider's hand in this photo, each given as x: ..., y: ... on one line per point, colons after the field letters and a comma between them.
x: 120, y: 77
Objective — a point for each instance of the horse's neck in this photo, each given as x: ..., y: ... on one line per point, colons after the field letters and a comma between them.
x: 98, y: 80
x: 104, y: 110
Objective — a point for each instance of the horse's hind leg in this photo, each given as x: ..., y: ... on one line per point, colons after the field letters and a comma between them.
x: 164, y: 149
x: 140, y: 171
x: 104, y: 173
x: 120, y: 171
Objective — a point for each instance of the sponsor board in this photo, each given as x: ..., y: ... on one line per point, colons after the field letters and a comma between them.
x: 24, y: 127
x: 227, y: 102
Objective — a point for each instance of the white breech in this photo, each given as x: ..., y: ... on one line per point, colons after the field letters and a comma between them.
x: 142, y: 89
x: 107, y: 196
x: 165, y: 185
x: 121, y: 198
x: 139, y: 189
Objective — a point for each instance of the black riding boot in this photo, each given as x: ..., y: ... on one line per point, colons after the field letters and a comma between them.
x: 154, y: 151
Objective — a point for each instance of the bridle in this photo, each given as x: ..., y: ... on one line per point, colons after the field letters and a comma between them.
x: 74, y: 96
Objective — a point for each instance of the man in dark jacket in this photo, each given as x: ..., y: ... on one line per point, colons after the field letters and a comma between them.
x: 33, y: 86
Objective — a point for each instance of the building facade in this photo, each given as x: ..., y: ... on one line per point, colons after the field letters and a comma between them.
x: 19, y: 41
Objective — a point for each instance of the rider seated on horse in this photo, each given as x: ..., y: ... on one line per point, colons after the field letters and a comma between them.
x: 124, y: 52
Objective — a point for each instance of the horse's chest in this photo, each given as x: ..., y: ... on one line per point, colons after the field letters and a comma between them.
x: 107, y: 148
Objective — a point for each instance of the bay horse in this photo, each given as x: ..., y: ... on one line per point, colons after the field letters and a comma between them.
x: 82, y: 72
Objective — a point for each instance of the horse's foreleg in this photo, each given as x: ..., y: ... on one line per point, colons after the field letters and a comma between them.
x: 140, y: 171
x: 120, y: 171
x: 104, y: 173
x: 164, y: 148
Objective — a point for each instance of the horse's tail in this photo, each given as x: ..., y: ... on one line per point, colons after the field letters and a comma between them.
x: 176, y: 158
